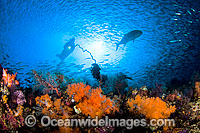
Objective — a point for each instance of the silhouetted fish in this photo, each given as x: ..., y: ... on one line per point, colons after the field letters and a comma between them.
x: 129, y: 37
x: 107, y: 55
x: 68, y: 49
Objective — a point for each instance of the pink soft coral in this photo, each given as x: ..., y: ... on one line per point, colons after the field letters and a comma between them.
x: 152, y: 108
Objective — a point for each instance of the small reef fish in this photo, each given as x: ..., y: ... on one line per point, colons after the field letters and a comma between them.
x: 131, y: 36
x: 68, y: 49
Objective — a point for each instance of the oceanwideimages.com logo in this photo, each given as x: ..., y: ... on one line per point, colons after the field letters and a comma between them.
x: 46, y: 121
x: 30, y: 120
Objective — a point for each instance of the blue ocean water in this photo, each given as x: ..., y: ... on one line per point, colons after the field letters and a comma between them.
x: 32, y: 33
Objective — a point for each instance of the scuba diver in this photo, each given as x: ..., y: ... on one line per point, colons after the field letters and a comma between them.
x: 68, y: 49
x: 95, y: 69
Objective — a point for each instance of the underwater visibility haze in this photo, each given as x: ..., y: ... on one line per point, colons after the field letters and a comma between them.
x: 149, y: 43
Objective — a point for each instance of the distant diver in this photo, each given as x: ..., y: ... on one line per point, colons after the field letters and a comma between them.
x: 95, y: 69
x: 68, y: 49
x: 129, y: 37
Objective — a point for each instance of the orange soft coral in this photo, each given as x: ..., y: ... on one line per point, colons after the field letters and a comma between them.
x: 44, y: 101
x: 152, y: 108
x: 54, y: 109
x: 78, y: 90
x: 8, y: 79
x: 197, y: 89
x: 90, y: 101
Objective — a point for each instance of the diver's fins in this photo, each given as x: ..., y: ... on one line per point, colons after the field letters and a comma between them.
x: 117, y: 46
x: 58, y: 55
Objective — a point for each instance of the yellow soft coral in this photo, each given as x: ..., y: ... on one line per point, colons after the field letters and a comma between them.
x: 5, y: 99
x: 90, y: 101
x: 152, y: 108
x: 19, y: 111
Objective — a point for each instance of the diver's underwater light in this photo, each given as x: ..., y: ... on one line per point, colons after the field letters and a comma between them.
x: 69, y: 47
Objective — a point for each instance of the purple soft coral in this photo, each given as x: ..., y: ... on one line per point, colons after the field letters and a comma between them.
x: 19, y: 97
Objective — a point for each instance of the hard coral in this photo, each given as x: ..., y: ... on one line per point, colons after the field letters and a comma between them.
x: 152, y: 108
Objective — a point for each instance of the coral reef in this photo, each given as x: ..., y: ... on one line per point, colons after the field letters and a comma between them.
x: 54, y: 109
x: 61, y: 97
x: 47, y: 84
x: 11, y: 103
x: 78, y: 91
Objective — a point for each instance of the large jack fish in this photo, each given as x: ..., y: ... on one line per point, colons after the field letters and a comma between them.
x: 131, y: 36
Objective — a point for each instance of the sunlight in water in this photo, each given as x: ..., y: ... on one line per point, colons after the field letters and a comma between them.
x: 97, y: 49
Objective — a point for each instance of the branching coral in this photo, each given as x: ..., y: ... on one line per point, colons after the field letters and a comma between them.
x: 48, y: 84
x: 152, y: 108
x: 90, y: 101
